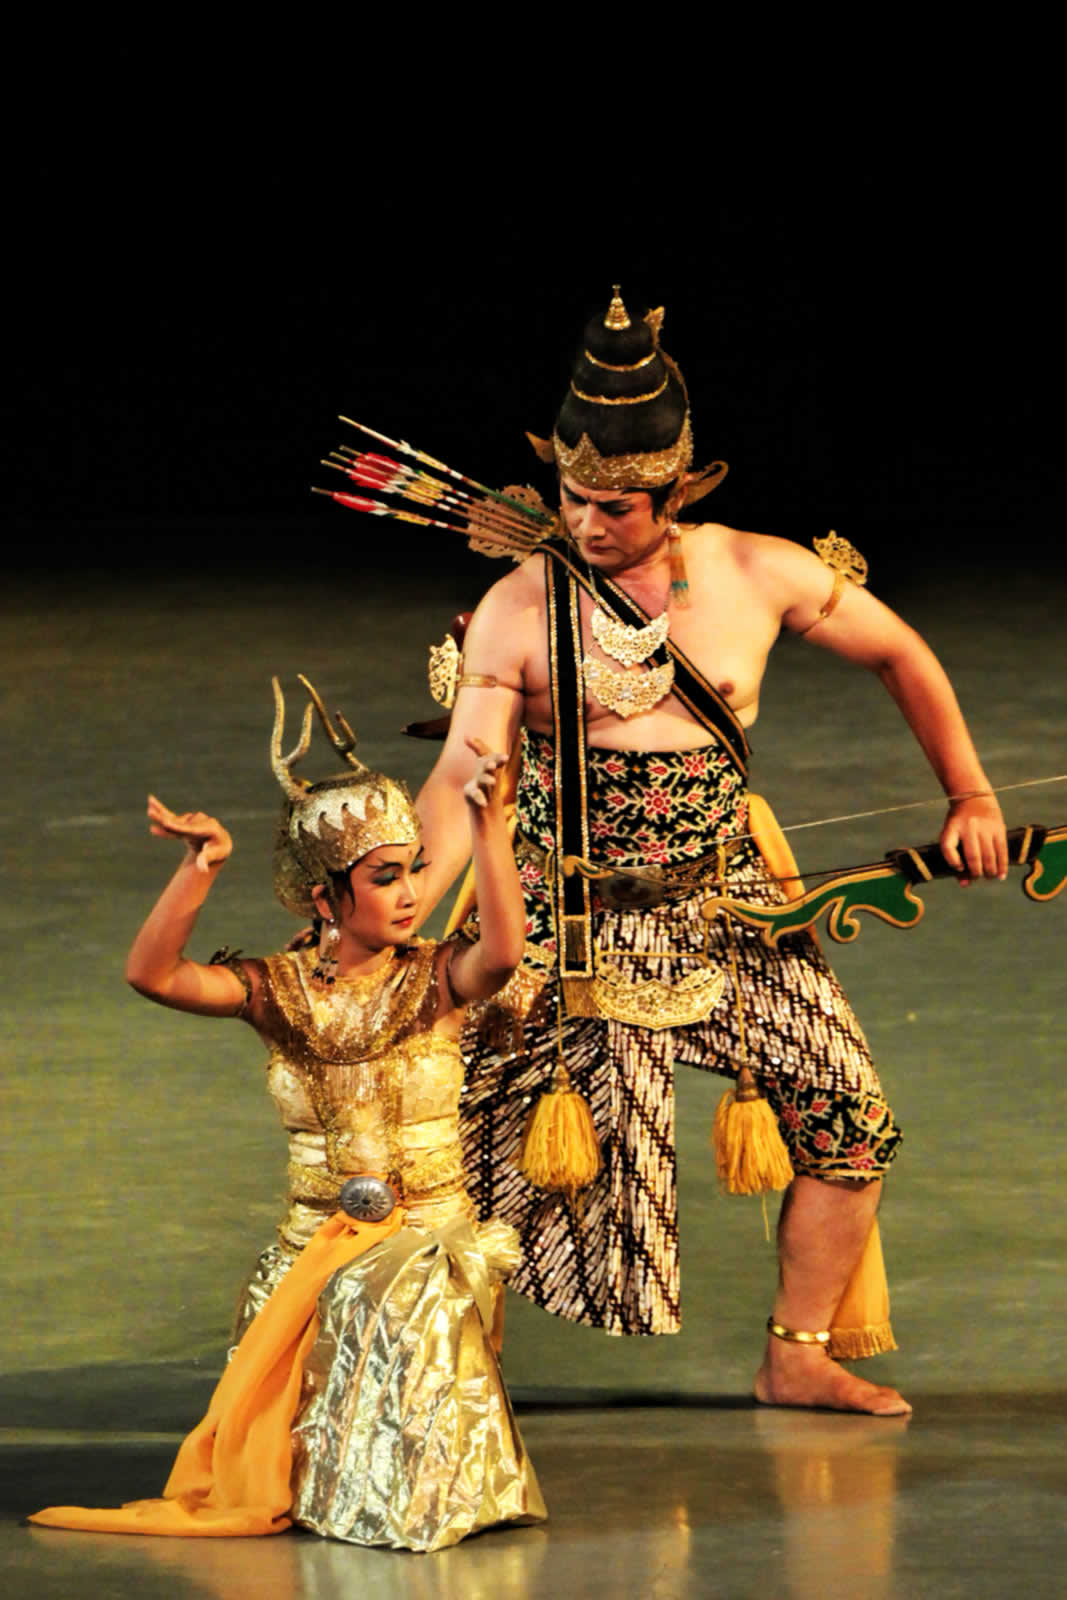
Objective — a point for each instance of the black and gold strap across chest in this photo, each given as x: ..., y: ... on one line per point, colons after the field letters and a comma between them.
x: 572, y: 892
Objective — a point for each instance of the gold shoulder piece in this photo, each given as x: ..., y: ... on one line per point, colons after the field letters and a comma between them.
x: 532, y: 498
x: 445, y: 663
x: 655, y: 322
x: 840, y: 556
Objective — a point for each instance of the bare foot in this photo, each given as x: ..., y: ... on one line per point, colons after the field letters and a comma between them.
x: 803, y: 1375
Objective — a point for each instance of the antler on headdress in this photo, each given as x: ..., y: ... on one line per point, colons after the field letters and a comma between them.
x: 295, y: 788
x: 345, y: 741
x: 327, y: 827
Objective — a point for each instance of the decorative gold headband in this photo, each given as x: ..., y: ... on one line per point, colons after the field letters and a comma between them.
x: 620, y: 399
x: 639, y: 469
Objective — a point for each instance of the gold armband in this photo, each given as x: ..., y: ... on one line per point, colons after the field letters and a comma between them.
x: 447, y: 676
x: 476, y: 680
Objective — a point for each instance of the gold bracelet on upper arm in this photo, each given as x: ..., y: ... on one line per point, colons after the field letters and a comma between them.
x: 847, y: 565
x: 477, y: 680
x: 447, y: 676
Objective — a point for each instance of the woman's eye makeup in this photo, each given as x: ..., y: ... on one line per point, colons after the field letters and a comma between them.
x: 387, y: 875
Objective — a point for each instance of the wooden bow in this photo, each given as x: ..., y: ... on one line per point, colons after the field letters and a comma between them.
x: 886, y: 889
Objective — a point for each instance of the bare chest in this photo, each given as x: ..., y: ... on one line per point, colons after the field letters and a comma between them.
x: 725, y: 633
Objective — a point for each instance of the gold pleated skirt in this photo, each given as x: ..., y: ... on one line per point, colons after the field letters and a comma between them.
x: 405, y: 1436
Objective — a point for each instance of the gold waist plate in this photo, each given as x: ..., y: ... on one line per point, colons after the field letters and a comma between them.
x: 651, y: 1003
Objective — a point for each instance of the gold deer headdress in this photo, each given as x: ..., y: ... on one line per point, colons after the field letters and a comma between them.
x: 327, y: 827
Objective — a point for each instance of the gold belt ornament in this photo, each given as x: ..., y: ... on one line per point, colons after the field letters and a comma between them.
x: 651, y: 1003
x: 634, y: 888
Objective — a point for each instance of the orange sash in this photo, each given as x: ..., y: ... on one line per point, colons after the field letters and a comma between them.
x: 231, y: 1475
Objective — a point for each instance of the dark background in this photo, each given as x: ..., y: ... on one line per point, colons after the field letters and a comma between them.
x: 869, y: 322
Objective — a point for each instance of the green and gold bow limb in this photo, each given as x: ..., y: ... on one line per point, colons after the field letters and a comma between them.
x: 886, y: 889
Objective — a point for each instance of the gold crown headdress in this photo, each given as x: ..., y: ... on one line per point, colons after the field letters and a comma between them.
x: 327, y: 827
x: 625, y: 421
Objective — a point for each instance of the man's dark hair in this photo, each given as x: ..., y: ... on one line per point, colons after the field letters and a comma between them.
x: 659, y: 496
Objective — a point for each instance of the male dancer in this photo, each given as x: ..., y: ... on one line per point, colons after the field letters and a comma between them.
x: 634, y: 759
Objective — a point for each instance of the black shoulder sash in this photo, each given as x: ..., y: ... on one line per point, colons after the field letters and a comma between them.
x: 571, y: 894
x: 570, y: 783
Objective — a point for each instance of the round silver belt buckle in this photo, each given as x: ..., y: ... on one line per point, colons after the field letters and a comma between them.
x: 367, y: 1199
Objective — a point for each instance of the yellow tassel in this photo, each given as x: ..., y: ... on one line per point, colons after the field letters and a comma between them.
x: 560, y: 1149
x: 749, y: 1154
x: 855, y: 1344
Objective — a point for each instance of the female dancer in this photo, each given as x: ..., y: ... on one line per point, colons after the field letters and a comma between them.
x: 364, y: 1399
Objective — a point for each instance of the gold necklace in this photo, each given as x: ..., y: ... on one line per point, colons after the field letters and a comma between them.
x: 624, y: 643
x: 627, y: 694
x: 366, y: 1011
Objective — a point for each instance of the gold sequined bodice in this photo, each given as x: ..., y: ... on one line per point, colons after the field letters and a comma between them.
x: 364, y: 1085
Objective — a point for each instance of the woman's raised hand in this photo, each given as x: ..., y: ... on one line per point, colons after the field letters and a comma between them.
x: 484, y: 785
x: 205, y: 839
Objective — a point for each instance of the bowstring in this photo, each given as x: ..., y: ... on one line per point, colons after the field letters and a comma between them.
x: 857, y: 816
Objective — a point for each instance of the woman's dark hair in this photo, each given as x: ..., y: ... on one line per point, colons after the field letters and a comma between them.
x: 341, y: 884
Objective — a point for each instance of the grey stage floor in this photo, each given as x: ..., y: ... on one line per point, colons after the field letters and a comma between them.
x: 143, y: 1165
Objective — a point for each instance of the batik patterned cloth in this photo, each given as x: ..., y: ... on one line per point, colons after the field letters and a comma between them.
x: 611, y: 1259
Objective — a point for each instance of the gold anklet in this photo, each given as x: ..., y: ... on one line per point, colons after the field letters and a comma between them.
x: 798, y: 1335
